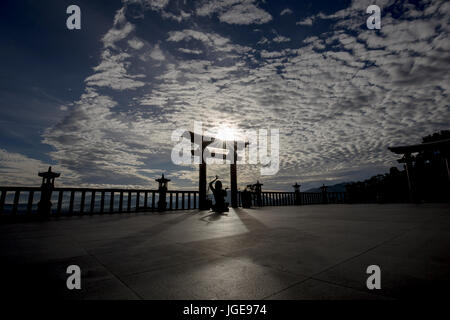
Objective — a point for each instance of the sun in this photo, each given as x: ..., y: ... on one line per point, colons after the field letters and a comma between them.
x: 226, y: 133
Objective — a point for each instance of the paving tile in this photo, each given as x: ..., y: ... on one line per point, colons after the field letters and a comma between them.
x: 318, y: 290
x: 400, y: 277
x: 111, y: 289
x: 223, y: 278
x: 145, y: 258
x: 48, y: 279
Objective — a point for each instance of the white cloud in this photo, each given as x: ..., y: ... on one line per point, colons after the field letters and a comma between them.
x: 210, y: 39
x: 208, y: 8
x: 135, y: 43
x: 112, y: 73
x: 245, y: 14
x: 155, y: 5
x: 157, y: 54
x: 286, y: 11
x: 189, y: 51
x: 112, y: 70
x: 242, y: 12
x: 19, y: 170
x: 263, y: 40
x: 180, y: 17
x: 101, y: 145
x: 280, y: 39
x: 119, y: 31
x: 213, y: 41
x: 306, y: 22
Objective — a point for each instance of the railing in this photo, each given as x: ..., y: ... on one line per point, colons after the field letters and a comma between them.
x: 279, y: 198
x: 23, y: 201
x: 79, y: 201
x: 275, y: 199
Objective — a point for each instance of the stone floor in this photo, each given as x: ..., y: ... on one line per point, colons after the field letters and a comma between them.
x: 305, y: 252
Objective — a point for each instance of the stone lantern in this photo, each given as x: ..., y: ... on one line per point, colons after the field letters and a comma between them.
x: 298, y: 199
x: 324, y: 189
x: 162, y: 189
x: 258, y: 192
x: 48, y: 183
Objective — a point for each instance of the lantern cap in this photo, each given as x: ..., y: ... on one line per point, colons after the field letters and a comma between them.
x: 162, y: 179
x: 49, y: 174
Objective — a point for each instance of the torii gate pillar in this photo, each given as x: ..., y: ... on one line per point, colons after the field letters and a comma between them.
x: 202, y: 187
x: 233, y: 179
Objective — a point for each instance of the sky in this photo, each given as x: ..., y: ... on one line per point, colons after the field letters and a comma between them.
x: 99, y: 104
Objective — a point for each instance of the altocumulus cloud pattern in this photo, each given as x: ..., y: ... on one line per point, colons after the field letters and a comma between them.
x: 338, y: 92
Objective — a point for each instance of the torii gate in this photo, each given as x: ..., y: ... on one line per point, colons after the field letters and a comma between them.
x: 205, y: 142
x: 442, y: 146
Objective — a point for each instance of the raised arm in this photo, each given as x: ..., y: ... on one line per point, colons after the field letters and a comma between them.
x: 211, y: 184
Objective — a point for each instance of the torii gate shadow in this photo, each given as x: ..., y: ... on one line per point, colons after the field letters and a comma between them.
x: 251, y: 223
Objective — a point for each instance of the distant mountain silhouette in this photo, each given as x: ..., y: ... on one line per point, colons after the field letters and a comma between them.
x: 340, y: 187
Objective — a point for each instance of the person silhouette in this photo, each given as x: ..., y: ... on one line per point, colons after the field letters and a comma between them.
x: 219, y: 196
